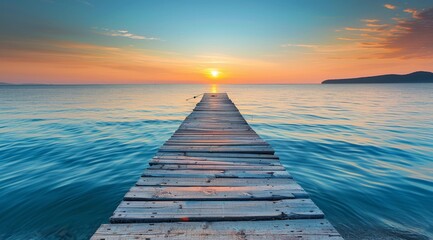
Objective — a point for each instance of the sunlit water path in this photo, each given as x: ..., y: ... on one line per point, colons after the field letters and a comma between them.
x: 68, y: 154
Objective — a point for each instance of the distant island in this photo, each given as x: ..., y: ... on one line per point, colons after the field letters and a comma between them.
x: 415, y: 77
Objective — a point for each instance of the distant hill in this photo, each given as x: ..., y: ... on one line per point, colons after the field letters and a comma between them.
x: 415, y: 77
x: 4, y: 83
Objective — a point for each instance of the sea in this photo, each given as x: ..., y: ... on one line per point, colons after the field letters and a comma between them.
x: 364, y: 153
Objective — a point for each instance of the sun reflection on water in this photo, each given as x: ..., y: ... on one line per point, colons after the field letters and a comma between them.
x: 214, y: 88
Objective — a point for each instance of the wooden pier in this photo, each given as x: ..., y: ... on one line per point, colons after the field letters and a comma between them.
x: 215, y: 178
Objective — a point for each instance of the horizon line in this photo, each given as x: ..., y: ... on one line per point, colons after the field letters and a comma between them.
x: 90, y: 84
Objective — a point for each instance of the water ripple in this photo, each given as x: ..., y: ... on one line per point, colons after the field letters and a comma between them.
x: 68, y: 154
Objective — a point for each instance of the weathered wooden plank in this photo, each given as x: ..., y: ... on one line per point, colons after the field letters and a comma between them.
x: 227, y: 149
x: 212, y: 119
x: 218, y: 155
x: 242, y: 162
x: 231, y: 138
x: 228, y: 132
x: 219, y: 158
x: 217, y: 182
x: 208, y: 115
x: 316, y: 229
x: 228, y: 129
x: 246, y: 143
x: 220, y: 103
x: 216, y: 105
x: 216, y: 174
x: 214, y: 114
x: 210, y: 193
x: 209, y: 134
x: 203, y: 118
x: 178, y: 211
x: 204, y: 114
x: 218, y: 149
x: 214, y: 126
x: 207, y: 109
x: 218, y: 140
x: 222, y: 116
x: 208, y: 167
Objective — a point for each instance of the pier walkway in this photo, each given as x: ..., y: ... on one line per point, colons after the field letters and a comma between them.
x: 215, y: 178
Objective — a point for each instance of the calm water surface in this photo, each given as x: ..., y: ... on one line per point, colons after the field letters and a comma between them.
x: 68, y: 154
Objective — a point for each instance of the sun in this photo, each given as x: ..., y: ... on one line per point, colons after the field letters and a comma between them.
x: 214, y: 73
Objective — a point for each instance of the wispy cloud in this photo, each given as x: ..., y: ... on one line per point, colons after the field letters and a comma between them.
x: 348, y: 39
x: 299, y: 45
x: 365, y: 29
x: 400, y: 38
x: 390, y: 6
x: 370, y: 20
x: 405, y: 38
x: 412, y: 39
x: 126, y: 34
x: 399, y: 20
x: 414, y: 12
x: 375, y: 25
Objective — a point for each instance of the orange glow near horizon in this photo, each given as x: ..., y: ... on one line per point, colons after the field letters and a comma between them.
x: 121, y: 66
x: 107, y: 65
x: 98, y: 64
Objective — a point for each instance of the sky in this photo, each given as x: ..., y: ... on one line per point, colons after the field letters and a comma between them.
x: 197, y: 41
